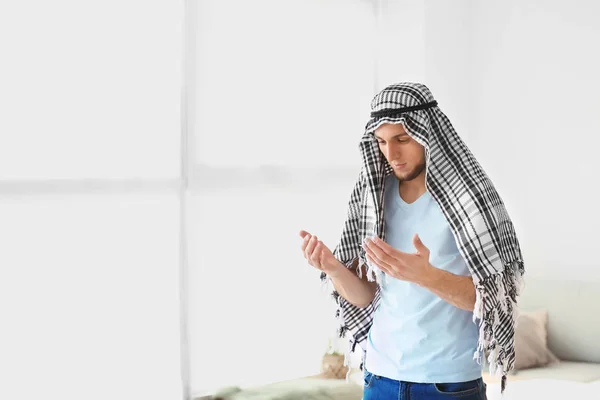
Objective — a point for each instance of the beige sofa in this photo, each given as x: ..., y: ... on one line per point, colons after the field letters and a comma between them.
x: 573, y: 335
x: 573, y: 328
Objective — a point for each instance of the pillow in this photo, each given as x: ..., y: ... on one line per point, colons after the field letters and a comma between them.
x: 531, y: 341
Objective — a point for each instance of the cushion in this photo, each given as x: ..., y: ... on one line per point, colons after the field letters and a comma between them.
x: 572, y: 305
x: 531, y: 344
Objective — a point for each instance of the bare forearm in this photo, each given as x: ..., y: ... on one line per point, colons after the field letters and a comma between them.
x: 455, y: 289
x: 358, y: 291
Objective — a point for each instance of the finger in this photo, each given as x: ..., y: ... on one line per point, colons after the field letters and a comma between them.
x: 310, y: 247
x: 303, y: 234
x: 376, y: 250
x: 375, y: 259
x: 383, y: 246
x: 305, y: 243
x: 386, y: 269
x: 317, y: 255
x: 389, y: 251
x: 421, y: 248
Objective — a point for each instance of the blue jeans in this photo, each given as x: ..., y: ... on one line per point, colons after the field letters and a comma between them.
x: 381, y: 388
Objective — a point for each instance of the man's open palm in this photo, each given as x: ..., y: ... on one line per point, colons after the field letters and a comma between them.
x: 317, y: 254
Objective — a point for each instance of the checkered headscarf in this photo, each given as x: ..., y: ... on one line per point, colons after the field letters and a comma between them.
x: 475, y: 212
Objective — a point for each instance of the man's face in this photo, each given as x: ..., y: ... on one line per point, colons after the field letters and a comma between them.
x: 405, y: 155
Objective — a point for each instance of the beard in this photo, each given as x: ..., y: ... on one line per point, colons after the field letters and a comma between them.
x: 414, y: 173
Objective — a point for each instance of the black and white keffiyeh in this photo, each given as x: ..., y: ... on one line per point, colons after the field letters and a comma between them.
x: 475, y: 212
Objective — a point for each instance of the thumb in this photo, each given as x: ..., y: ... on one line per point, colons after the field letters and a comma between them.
x: 421, y: 248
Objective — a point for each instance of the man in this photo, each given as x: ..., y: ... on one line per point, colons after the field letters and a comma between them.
x: 441, y: 256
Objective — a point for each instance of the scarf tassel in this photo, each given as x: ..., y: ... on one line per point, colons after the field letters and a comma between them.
x: 496, y: 308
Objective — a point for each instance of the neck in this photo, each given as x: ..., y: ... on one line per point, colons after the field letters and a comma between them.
x: 413, y: 189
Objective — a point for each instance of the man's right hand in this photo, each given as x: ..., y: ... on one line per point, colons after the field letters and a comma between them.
x: 358, y: 291
x: 319, y: 256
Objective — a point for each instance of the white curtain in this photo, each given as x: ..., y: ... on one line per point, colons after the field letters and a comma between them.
x: 90, y: 199
x: 279, y: 94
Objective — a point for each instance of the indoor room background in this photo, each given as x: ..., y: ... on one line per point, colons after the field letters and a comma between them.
x: 158, y: 159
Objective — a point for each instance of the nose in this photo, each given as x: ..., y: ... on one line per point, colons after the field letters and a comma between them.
x: 391, y: 152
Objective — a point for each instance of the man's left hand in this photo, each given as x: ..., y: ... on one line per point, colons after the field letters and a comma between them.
x: 412, y: 267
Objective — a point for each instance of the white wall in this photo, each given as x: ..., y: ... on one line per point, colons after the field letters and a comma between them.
x: 429, y: 42
x: 90, y: 162
x: 519, y: 80
x: 83, y: 87
x: 279, y: 95
x: 89, y: 199
x: 536, y: 125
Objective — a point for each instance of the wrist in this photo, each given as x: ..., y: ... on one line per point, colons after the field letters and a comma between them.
x: 336, y: 270
x: 431, y: 277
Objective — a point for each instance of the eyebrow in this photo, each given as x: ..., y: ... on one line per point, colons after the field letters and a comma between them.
x: 393, y: 137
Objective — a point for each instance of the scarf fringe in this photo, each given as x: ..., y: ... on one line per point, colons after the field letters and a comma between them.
x: 341, y: 322
x: 496, y: 305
